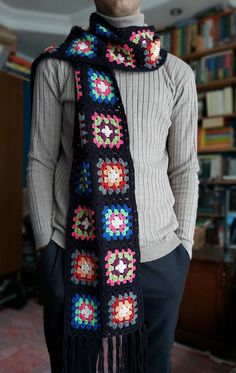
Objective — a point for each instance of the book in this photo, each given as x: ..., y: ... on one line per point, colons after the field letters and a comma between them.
x: 220, y: 101
x: 213, y: 122
x: 216, y: 138
x: 210, y: 166
x: 229, y: 167
x: 15, y: 58
x: 204, y: 30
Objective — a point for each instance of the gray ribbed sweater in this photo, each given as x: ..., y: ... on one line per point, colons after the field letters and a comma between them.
x: 161, y: 108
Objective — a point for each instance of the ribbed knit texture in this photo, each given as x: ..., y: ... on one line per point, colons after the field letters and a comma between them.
x: 162, y: 110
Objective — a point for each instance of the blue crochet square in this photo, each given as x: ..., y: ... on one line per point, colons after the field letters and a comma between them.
x: 117, y: 222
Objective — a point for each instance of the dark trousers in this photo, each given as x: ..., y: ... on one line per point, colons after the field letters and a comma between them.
x: 163, y: 283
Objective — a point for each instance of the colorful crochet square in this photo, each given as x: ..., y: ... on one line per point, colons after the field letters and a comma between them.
x: 120, y: 266
x: 78, y: 85
x: 117, y: 222
x: 83, y: 179
x: 152, y: 52
x: 102, y: 30
x: 101, y: 87
x: 83, y: 223
x: 121, y: 55
x: 82, y: 129
x: 141, y: 36
x: 107, y: 130
x: 85, y: 46
x: 85, y: 312
x: 123, y: 310
x: 112, y: 176
x: 84, y: 268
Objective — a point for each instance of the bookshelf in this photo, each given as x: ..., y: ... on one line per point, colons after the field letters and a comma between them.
x: 14, y: 140
x: 216, y: 84
x: 213, y: 151
x: 215, y: 28
x: 199, y: 54
x: 206, y: 42
x: 11, y: 173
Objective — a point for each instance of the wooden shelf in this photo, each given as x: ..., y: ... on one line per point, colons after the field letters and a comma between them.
x: 213, y: 151
x: 218, y: 182
x: 210, y: 215
x: 194, y: 56
x: 232, y: 115
x: 216, y: 84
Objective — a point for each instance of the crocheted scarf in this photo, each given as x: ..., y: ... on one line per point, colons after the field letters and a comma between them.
x: 103, y: 297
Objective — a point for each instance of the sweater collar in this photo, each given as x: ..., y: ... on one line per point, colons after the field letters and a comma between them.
x: 124, y: 21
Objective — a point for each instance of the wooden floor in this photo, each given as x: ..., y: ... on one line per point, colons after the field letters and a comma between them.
x: 22, y: 346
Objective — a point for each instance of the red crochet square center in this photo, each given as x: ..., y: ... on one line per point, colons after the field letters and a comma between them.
x: 84, y: 268
x: 123, y: 310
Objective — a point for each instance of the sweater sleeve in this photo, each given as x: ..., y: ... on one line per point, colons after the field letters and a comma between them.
x: 183, y: 165
x: 44, y: 149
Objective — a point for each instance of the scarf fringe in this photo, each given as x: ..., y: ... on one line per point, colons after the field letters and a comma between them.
x: 120, y: 354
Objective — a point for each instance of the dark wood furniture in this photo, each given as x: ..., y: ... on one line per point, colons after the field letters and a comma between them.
x: 11, y: 161
x: 207, y: 318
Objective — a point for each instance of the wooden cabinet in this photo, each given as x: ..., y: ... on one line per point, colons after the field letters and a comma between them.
x: 207, y: 318
x: 11, y: 169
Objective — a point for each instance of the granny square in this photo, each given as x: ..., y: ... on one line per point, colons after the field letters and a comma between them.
x: 101, y: 87
x: 117, y: 222
x: 120, y: 265
x: 123, y: 310
x: 122, y: 55
x: 107, y: 130
x: 112, y: 175
x: 84, y: 46
x: 84, y: 268
x: 83, y: 226
x: 85, y: 312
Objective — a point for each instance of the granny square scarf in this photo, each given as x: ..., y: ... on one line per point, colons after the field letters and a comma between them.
x: 103, y: 298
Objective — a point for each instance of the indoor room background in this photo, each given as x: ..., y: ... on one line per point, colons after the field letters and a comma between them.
x: 203, y: 34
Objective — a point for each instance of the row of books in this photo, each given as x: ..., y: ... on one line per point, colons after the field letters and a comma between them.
x: 204, y: 30
x: 217, y: 166
x: 18, y: 65
x: 221, y: 138
x: 214, y: 66
x: 216, y: 102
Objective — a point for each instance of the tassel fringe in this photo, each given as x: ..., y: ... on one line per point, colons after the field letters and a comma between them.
x: 120, y: 354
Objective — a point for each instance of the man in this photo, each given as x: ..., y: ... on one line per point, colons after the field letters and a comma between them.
x: 161, y: 109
